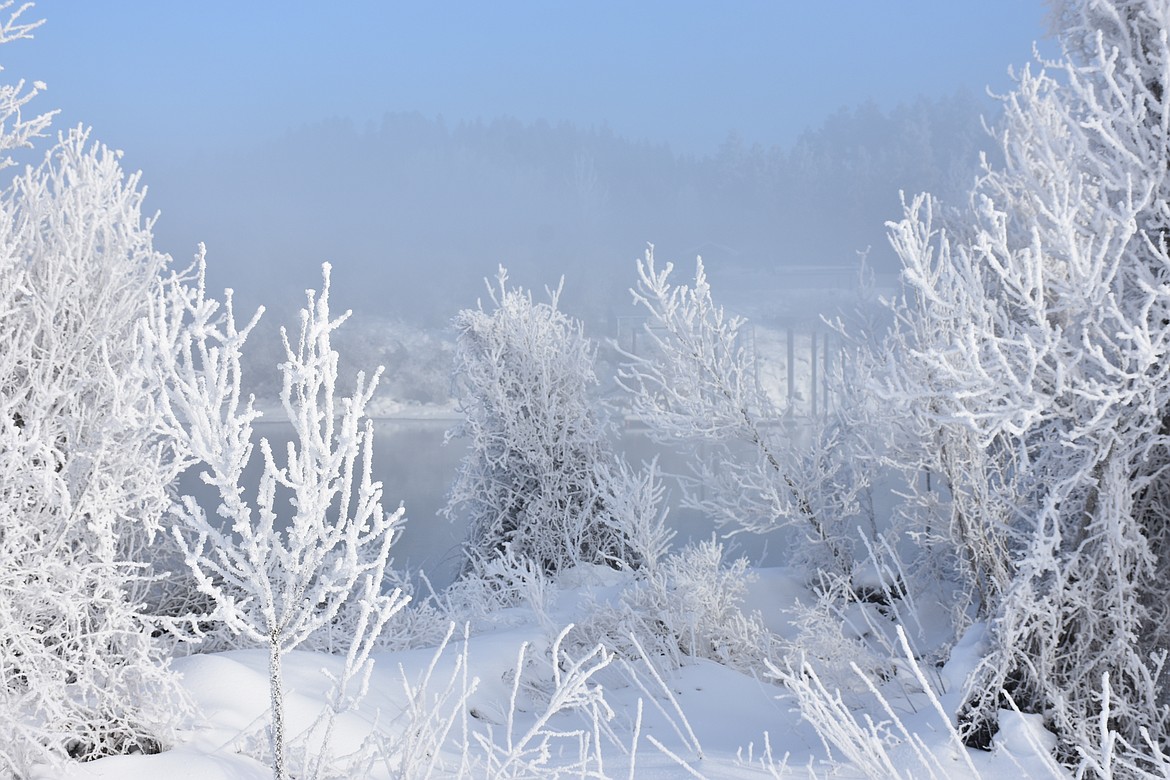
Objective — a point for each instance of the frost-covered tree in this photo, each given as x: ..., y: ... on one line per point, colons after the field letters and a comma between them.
x: 1033, y: 374
x: 537, y: 477
x: 83, y: 470
x: 279, y: 577
x: 695, y: 385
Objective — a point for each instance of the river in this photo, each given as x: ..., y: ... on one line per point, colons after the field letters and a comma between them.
x: 416, y: 468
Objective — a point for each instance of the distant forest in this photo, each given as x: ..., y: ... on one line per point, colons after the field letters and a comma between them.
x: 414, y: 212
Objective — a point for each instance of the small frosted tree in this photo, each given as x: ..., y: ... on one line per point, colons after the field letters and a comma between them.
x: 695, y: 386
x: 536, y: 478
x: 277, y: 578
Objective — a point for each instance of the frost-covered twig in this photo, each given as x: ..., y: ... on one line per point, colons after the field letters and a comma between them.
x: 572, y: 690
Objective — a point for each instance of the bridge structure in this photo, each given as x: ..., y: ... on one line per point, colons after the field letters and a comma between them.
x: 793, y: 361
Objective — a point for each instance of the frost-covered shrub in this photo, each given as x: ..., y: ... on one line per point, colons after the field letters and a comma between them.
x: 704, y: 606
x: 690, y: 605
x: 535, y: 478
x: 839, y: 635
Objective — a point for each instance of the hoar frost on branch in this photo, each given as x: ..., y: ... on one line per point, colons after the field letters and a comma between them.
x: 278, y: 579
x: 17, y: 131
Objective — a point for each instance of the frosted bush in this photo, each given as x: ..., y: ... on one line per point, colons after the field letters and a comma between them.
x: 534, y: 480
x: 689, y: 606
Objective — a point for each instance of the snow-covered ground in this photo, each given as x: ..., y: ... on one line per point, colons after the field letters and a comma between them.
x: 458, y: 709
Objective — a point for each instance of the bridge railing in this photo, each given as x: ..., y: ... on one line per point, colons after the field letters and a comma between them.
x: 793, y: 363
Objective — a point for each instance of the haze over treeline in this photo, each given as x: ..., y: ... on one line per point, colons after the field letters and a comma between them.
x: 414, y: 212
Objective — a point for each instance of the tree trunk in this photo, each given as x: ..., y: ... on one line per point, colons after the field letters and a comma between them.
x: 276, y: 699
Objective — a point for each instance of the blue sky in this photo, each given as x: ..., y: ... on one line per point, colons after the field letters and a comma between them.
x: 202, y: 97
x: 154, y: 77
